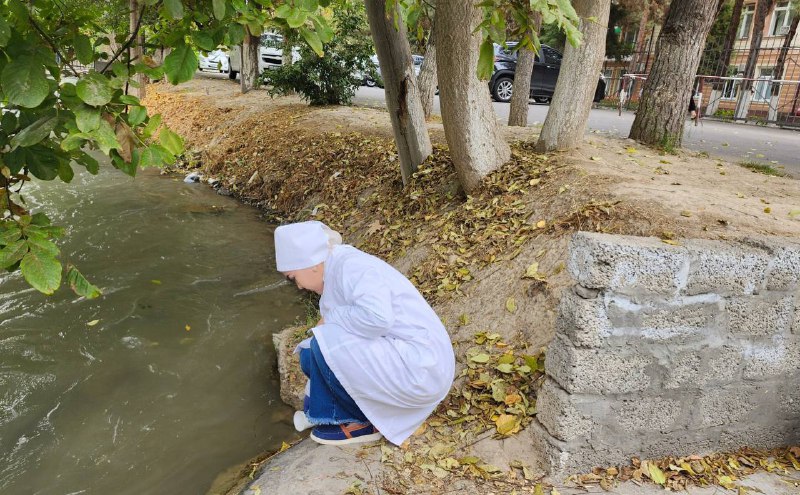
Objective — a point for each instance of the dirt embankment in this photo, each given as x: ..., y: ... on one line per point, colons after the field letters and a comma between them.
x: 492, y: 264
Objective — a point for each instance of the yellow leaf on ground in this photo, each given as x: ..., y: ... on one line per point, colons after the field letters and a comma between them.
x: 188, y: 328
x: 538, y: 490
x: 92, y: 323
x: 284, y: 446
x: 686, y: 213
x: 511, y: 305
x: 541, y: 224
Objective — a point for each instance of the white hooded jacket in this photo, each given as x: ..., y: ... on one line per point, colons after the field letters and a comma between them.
x: 383, y: 342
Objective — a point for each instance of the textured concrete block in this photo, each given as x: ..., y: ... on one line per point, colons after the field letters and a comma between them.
x: 724, y: 365
x: 725, y: 268
x: 649, y: 414
x: 583, y: 321
x: 628, y: 265
x: 726, y: 406
x: 765, y: 315
x: 683, y: 370
x: 778, y: 434
x: 565, y: 416
x: 783, y: 272
x: 564, y: 458
x: 681, y: 321
x: 770, y: 359
x: 606, y: 371
x: 789, y: 398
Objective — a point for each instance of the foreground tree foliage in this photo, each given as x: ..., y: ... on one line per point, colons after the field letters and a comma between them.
x: 50, y: 123
x: 665, y: 98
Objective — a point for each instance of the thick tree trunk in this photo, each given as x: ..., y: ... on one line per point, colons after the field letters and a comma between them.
x: 745, y: 94
x: 427, y: 80
x: 470, y: 125
x: 400, y: 84
x: 520, y: 96
x: 136, y: 52
x: 249, y: 74
x: 577, y: 82
x: 665, y: 100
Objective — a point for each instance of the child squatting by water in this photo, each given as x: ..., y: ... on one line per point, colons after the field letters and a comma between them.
x: 379, y: 360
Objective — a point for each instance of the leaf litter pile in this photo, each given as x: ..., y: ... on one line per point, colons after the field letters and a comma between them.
x: 351, y: 181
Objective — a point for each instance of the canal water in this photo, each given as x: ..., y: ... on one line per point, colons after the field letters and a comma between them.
x: 167, y: 379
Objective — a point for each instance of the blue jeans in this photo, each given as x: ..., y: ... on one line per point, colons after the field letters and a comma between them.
x: 329, y: 403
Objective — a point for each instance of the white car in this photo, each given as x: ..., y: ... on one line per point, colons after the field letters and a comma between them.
x: 216, y: 61
x: 270, y: 55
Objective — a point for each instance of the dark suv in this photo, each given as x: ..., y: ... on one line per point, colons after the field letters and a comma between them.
x: 543, y: 81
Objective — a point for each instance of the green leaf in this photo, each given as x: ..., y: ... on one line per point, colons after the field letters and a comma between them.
x: 84, y: 49
x: 296, y: 18
x: 171, y: 141
x: 105, y: 137
x: 136, y: 116
x: 486, y: 60
x: 174, y: 9
x: 92, y: 165
x: 9, y: 235
x: 42, y: 162
x: 5, y: 31
x: 283, y: 11
x: 40, y: 219
x: 181, y: 64
x: 24, y: 82
x: 81, y: 286
x: 86, y: 118
x: 204, y: 41
x: 65, y: 172
x: 40, y: 242
x: 219, y: 8
x: 43, y: 272
x: 130, y: 100
x: 152, y: 125
x: 94, y: 89
x: 313, y: 41
x: 74, y: 141
x: 480, y: 358
x: 504, y: 368
x: 322, y: 28
x: 154, y: 156
x: 12, y: 253
x: 235, y: 34
x: 511, y: 305
x: 35, y: 132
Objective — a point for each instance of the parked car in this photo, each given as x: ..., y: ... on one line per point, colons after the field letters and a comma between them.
x: 546, y: 67
x: 216, y: 61
x: 366, y: 80
x: 270, y: 55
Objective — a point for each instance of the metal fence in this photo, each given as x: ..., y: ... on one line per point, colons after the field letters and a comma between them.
x: 721, y: 89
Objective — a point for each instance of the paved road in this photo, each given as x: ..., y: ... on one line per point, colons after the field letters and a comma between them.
x: 733, y: 142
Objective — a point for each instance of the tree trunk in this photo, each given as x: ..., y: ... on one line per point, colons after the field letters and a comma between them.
x: 745, y: 94
x: 400, y: 84
x: 470, y: 125
x: 520, y: 96
x: 636, y: 59
x: 139, y: 89
x: 730, y: 39
x: 665, y: 100
x: 787, y: 43
x: 286, y: 48
x: 249, y: 74
x: 427, y: 80
x: 577, y: 82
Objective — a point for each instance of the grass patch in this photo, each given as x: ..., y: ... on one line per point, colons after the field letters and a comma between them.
x: 762, y: 168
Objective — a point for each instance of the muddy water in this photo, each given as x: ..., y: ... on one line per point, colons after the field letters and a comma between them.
x: 166, y: 380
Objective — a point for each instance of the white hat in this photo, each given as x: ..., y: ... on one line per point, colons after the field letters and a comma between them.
x: 303, y: 245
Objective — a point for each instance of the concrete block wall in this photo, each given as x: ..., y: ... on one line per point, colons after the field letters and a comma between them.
x: 672, y: 350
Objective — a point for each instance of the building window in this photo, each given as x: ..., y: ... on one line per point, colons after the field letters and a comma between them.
x: 731, y: 88
x: 763, y: 86
x: 781, y: 18
x: 747, y: 22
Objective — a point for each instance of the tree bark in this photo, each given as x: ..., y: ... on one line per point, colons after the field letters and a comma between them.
x: 470, y: 125
x: 745, y: 94
x: 400, y: 85
x: 577, y: 81
x: 139, y: 90
x: 249, y: 74
x: 730, y: 39
x: 427, y: 80
x: 520, y: 96
x: 665, y: 99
